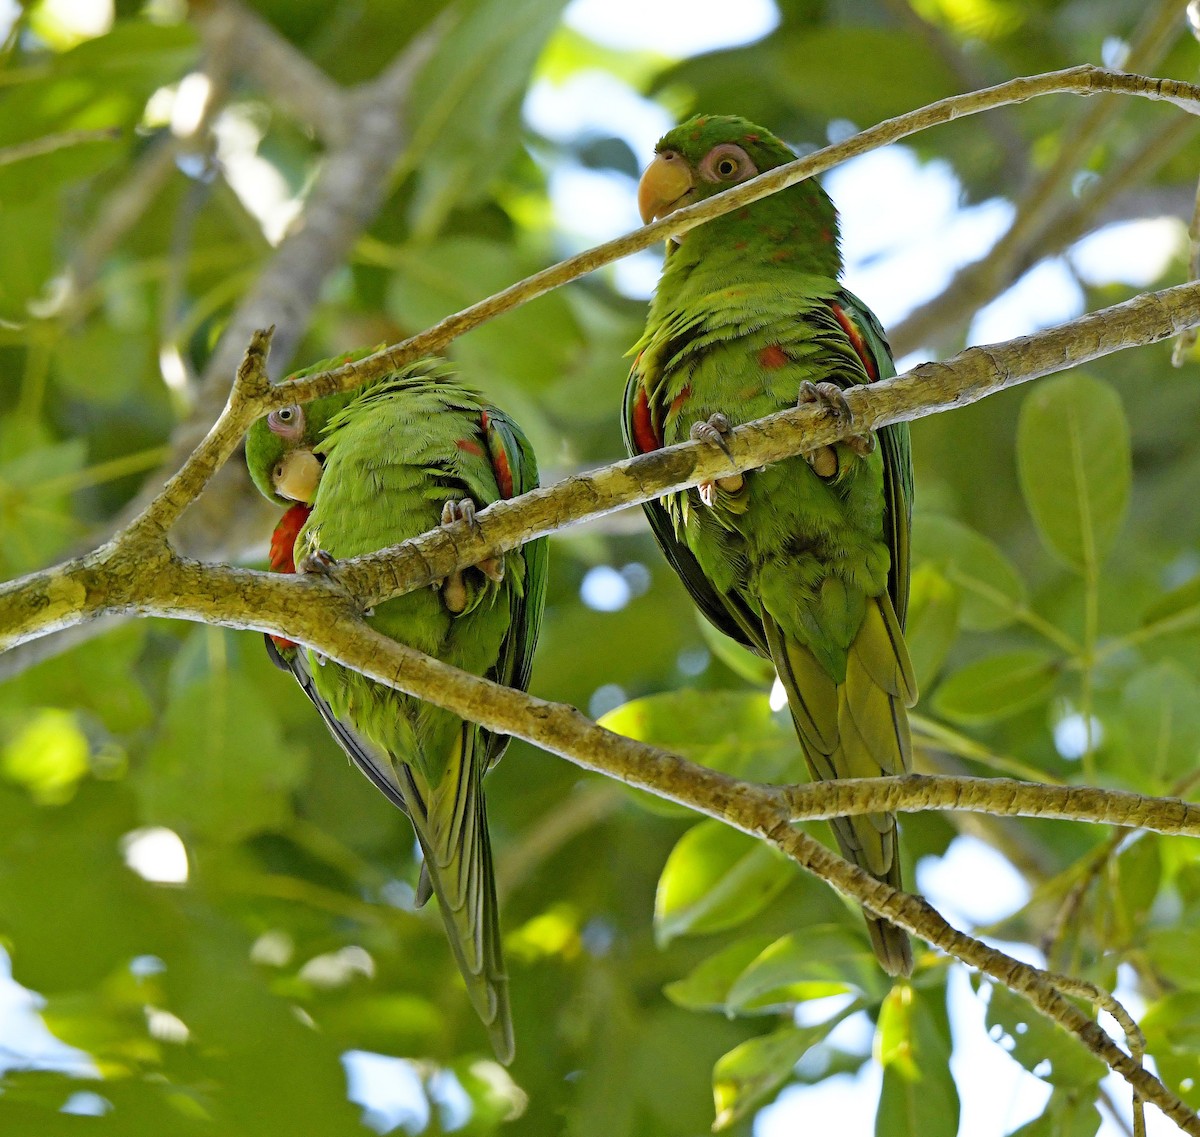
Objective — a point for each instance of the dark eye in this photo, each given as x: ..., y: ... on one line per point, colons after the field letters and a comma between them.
x: 277, y: 473
x: 287, y: 422
x: 727, y: 162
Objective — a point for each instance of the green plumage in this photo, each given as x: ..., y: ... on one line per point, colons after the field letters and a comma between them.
x: 807, y: 569
x: 393, y: 455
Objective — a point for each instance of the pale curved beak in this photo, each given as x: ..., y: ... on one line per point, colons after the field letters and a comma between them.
x: 664, y: 184
x: 297, y: 475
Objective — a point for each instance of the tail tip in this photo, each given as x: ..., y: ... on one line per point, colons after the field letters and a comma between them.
x: 892, y: 947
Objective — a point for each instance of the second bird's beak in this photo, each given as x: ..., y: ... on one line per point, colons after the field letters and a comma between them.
x: 297, y: 476
x: 666, y: 181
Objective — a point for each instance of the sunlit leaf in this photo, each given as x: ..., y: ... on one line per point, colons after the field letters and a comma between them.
x: 919, y: 1096
x: 749, y: 1074
x: 1160, y: 716
x: 1139, y: 875
x: 716, y: 878
x: 465, y: 106
x: 826, y: 959
x: 1074, y: 459
x: 735, y: 732
x: 1172, y: 1029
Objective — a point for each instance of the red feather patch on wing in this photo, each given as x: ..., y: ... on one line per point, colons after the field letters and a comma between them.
x: 500, y: 464
x: 773, y: 357
x: 283, y: 543
x: 645, y: 437
x: 856, y: 341
x: 679, y: 400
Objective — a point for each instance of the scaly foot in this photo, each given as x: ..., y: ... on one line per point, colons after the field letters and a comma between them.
x: 829, y: 397
x: 319, y: 562
x: 454, y: 589
x: 716, y: 431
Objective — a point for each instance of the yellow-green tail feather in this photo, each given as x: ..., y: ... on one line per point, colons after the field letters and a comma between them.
x: 857, y: 729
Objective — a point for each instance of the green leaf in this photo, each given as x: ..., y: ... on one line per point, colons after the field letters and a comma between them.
x: 919, y: 1097
x: 1181, y: 604
x: 998, y: 686
x: 1174, y: 1021
x: 464, y: 110
x: 706, y: 987
x: 933, y: 608
x: 1173, y: 951
x: 1068, y: 1113
x: 219, y: 766
x: 35, y: 516
x: 47, y: 753
x: 531, y: 346
x: 988, y: 582
x: 750, y: 1073
x: 1042, y: 1047
x: 716, y: 878
x: 811, y: 66
x: 1073, y: 456
x: 735, y: 732
x: 825, y: 959
x: 1172, y: 1030
x: 1139, y: 875
x: 97, y: 676
x: 1160, y: 711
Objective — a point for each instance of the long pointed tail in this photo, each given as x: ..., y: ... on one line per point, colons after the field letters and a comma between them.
x: 451, y: 826
x: 858, y: 729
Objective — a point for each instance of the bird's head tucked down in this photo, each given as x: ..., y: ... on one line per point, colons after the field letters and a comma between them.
x: 282, y: 447
x: 280, y: 457
x: 712, y: 153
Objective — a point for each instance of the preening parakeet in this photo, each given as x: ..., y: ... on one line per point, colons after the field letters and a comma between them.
x: 394, y: 459
x: 805, y: 561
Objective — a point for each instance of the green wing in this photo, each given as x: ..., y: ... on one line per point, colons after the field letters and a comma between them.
x: 897, y: 458
x: 727, y: 612
x: 515, y: 466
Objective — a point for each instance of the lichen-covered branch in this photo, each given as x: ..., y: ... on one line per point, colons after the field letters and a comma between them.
x: 1085, y: 80
x: 27, y: 610
x: 914, y: 793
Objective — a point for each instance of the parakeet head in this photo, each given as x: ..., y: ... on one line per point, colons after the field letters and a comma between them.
x: 279, y: 451
x: 280, y: 446
x: 709, y: 154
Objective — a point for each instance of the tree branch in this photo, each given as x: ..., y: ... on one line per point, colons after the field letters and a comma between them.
x: 914, y: 793
x: 1085, y: 80
x: 50, y: 599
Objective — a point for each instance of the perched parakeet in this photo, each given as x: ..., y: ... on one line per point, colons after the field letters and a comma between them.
x: 396, y: 458
x: 806, y: 560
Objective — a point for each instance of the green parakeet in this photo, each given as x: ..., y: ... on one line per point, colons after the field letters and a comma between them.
x: 806, y: 560
x: 394, y: 459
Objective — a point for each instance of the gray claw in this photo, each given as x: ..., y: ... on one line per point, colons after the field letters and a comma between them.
x: 830, y: 397
x: 320, y: 562
x: 715, y: 430
x: 463, y: 510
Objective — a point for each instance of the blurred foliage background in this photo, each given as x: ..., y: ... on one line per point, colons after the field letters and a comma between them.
x: 216, y: 913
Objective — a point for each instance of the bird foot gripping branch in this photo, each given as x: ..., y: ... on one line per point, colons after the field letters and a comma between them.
x: 455, y: 593
x: 716, y: 430
x: 830, y: 398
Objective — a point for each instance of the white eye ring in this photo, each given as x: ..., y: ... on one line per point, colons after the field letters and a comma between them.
x: 287, y: 422
x: 727, y: 162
